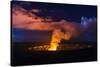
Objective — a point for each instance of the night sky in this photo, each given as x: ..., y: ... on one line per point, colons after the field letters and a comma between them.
x: 60, y: 11
x: 56, y: 12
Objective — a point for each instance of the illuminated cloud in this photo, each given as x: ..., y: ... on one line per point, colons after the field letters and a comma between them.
x: 22, y: 18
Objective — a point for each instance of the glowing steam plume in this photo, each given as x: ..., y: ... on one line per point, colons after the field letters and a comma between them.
x: 55, y: 40
x: 63, y: 29
x: 57, y: 36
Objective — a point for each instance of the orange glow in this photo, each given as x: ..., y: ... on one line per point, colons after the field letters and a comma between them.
x: 53, y: 47
x: 56, y: 37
